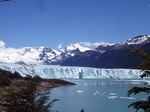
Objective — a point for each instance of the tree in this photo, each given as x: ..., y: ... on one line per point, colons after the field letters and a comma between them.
x: 5, y: 78
x: 145, y: 67
x: 27, y: 99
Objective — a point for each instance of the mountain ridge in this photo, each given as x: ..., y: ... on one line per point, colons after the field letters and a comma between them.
x: 113, y: 56
x: 77, y: 54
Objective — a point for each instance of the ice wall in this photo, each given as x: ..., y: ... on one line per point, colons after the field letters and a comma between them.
x: 49, y: 71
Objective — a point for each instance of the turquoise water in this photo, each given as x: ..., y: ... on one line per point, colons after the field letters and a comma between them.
x: 96, y: 96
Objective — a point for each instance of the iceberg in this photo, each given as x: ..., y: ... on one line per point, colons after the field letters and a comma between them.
x: 61, y: 72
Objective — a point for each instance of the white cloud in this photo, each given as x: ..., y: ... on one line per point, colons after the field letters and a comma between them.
x: 59, y: 46
x: 95, y: 44
x: 86, y: 44
x: 2, y: 44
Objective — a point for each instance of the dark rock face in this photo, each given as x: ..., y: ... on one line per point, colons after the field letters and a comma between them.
x: 114, y: 56
x: 45, y: 54
x: 57, y: 59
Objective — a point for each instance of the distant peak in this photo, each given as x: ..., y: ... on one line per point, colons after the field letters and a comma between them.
x: 75, y: 46
x: 105, y: 44
x: 70, y: 47
x: 137, y: 40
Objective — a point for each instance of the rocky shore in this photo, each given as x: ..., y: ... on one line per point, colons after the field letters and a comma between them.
x: 16, y: 83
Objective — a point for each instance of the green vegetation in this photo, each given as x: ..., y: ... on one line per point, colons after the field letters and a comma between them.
x: 145, y: 67
x: 23, y: 98
x: 27, y: 100
x: 6, y: 77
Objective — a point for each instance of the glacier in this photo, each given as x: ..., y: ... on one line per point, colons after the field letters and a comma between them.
x: 62, y: 72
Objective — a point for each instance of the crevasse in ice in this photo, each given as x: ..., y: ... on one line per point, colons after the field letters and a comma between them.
x: 50, y: 71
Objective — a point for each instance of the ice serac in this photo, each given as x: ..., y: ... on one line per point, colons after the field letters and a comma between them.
x: 47, y: 71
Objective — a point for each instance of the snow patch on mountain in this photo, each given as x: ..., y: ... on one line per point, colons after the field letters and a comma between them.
x: 71, y: 47
x: 137, y: 40
x: 51, y: 56
x: 38, y: 55
x: 57, y: 52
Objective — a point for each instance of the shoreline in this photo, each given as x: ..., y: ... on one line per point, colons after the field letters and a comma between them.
x: 43, y: 85
x: 48, y: 84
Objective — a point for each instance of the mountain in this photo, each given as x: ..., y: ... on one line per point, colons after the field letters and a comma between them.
x: 42, y: 55
x: 103, y: 56
x: 70, y: 51
x: 111, y: 55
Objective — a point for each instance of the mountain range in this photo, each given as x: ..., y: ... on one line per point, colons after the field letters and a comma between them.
x: 112, y: 56
x: 104, y: 56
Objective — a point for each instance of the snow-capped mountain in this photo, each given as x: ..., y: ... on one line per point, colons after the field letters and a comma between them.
x: 142, y: 39
x: 70, y: 51
x: 104, y: 47
x: 43, y: 55
x: 76, y: 46
x: 111, y: 55
x: 74, y: 54
x: 47, y: 54
x: 137, y: 42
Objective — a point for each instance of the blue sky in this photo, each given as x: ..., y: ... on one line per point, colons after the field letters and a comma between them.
x: 51, y: 22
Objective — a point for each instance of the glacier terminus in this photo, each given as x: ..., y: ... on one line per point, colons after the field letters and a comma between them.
x: 62, y: 72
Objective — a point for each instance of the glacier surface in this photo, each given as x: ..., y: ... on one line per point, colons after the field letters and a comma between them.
x: 49, y: 71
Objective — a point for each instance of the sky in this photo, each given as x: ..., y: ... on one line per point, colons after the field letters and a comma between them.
x: 56, y: 23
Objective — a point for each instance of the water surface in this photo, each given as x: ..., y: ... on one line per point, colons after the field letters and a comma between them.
x: 96, y: 95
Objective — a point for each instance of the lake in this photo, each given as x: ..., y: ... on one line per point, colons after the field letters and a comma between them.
x: 96, y: 95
